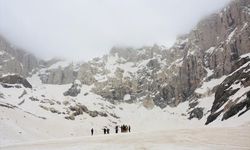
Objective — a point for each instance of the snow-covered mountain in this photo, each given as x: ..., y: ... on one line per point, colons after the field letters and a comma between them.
x: 204, y: 75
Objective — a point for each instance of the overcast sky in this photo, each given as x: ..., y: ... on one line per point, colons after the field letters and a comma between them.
x: 83, y: 29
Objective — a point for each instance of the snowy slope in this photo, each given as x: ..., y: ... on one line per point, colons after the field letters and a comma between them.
x: 26, y: 121
x: 29, y: 122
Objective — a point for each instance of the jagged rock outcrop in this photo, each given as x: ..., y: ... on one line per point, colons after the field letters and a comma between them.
x: 15, y: 79
x: 196, y: 113
x: 128, y: 53
x: 216, y: 43
x: 74, y: 90
x: 79, y: 109
x: 59, y: 75
x: 67, y: 74
x: 232, y: 95
x: 86, y: 74
x: 148, y: 103
x: 16, y: 61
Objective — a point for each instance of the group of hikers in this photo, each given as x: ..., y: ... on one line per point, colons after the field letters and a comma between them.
x: 124, y: 128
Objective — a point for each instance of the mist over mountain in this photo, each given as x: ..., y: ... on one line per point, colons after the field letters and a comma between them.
x: 82, y: 30
x: 194, y: 94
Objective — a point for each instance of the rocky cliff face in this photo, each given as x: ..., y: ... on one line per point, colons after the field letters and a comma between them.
x: 233, y: 94
x: 16, y: 61
x: 215, y: 44
x: 171, y: 76
x: 168, y: 76
x: 14, y: 79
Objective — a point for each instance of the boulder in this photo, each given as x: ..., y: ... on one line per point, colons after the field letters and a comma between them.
x: 93, y: 113
x: 148, y: 103
x: 15, y: 79
x: 70, y: 117
x: 65, y: 103
x: 74, y: 90
x: 82, y: 107
x: 196, y: 113
x: 102, y: 114
x: 53, y: 110
x: 33, y: 98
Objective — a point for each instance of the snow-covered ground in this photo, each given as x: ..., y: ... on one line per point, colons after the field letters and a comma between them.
x: 151, y: 129
x: 180, y: 139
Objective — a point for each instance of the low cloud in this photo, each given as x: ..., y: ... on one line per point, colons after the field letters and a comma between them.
x: 83, y: 29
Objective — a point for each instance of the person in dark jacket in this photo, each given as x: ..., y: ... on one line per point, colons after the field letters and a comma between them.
x: 92, y: 132
x: 129, y: 128
x: 107, y: 130
x: 116, y: 129
x: 104, y: 130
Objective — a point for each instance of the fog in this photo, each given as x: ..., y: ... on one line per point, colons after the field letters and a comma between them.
x: 83, y: 29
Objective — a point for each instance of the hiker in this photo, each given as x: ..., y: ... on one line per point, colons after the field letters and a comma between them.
x: 124, y: 128
x: 92, y: 132
x: 104, y: 130
x: 116, y: 129
x: 128, y: 128
x: 107, y: 130
x: 121, y: 128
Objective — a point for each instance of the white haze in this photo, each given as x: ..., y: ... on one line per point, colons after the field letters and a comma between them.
x: 83, y: 29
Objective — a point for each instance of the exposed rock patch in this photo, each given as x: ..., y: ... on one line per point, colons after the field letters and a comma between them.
x: 15, y: 79
x: 148, y: 103
x: 24, y: 93
x: 79, y: 109
x: 196, y: 113
x: 239, y: 80
x: 74, y: 90
x: 33, y: 98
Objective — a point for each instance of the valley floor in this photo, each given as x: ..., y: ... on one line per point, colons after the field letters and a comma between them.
x: 201, y: 138
x: 27, y: 126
